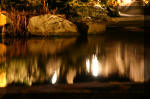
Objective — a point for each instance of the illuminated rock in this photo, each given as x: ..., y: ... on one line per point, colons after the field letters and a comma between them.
x: 48, y: 24
x: 89, y: 27
x: 96, y: 28
x: 131, y: 7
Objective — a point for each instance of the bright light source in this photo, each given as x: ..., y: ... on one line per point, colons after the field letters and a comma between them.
x: 54, y: 78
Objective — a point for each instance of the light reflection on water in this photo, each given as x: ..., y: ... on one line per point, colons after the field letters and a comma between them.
x: 88, y: 65
x: 64, y: 60
x: 54, y: 78
x: 95, y: 66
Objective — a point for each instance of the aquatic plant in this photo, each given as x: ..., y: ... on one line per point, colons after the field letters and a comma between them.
x: 20, y: 19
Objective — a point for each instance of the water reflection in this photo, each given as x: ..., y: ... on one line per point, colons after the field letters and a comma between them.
x: 72, y: 62
x: 88, y: 65
x: 2, y: 49
x: 71, y: 75
x: 2, y: 63
x: 94, y: 66
x: 3, y: 79
x: 54, y: 78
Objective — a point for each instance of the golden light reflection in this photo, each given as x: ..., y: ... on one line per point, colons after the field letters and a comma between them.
x: 3, y: 79
x: 96, y: 68
x: 71, y: 75
x: 54, y: 78
x: 88, y: 65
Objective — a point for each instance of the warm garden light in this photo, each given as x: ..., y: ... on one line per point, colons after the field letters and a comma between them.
x: 146, y: 1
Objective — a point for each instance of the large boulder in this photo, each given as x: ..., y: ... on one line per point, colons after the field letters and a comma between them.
x: 48, y: 25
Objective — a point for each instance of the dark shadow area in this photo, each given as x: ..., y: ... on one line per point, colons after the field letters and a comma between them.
x: 82, y: 28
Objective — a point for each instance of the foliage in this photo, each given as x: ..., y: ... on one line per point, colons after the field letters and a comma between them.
x: 87, y: 3
x: 88, y: 8
x: 35, y: 2
x: 112, y: 3
x: 19, y: 19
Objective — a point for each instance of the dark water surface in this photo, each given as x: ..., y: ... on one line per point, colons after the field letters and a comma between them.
x: 73, y: 60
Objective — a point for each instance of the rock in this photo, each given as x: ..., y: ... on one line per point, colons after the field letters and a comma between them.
x: 90, y: 28
x: 48, y: 24
x: 90, y: 11
x: 131, y: 7
x: 96, y: 28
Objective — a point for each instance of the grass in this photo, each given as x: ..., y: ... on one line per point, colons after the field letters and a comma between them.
x: 20, y: 19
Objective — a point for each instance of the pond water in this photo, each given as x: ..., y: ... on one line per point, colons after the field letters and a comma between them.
x: 71, y: 60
